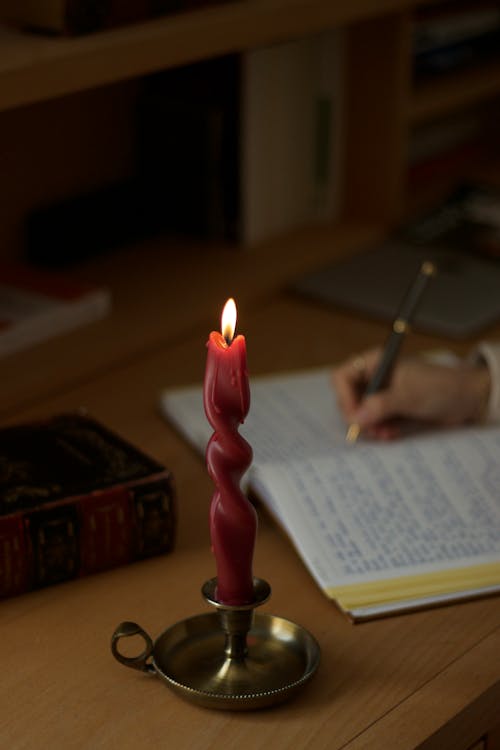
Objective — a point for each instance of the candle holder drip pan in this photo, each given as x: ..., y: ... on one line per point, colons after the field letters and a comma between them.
x: 231, y: 659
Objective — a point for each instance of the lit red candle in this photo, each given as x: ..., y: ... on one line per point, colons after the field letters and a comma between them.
x: 233, y: 520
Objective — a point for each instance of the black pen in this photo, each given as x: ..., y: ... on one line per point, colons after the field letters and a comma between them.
x: 400, y: 328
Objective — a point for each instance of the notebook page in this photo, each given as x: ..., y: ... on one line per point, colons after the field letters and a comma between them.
x: 394, y: 512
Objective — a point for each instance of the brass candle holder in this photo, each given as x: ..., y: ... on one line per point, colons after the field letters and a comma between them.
x: 229, y: 659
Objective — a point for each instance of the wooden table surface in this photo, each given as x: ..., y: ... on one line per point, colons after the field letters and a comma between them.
x: 429, y: 679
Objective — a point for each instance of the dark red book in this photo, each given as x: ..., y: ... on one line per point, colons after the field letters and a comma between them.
x: 453, y: 163
x: 76, y: 499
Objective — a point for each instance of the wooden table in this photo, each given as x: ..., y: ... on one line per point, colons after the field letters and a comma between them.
x: 428, y: 680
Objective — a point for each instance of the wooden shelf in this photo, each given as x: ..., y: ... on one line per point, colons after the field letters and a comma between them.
x: 453, y: 92
x: 34, y: 68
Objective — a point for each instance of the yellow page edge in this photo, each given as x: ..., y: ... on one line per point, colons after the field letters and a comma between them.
x: 442, y: 582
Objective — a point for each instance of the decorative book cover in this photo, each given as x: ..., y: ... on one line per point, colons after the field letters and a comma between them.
x: 383, y: 528
x: 75, y: 499
x: 36, y: 305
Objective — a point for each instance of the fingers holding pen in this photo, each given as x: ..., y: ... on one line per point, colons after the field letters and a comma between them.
x: 350, y: 379
x: 420, y: 393
x: 410, y: 395
x: 378, y: 415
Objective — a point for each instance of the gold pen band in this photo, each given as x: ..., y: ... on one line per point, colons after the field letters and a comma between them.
x: 352, y: 433
x: 400, y: 326
x: 428, y: 268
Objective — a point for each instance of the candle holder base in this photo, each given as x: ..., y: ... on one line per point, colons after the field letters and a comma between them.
x: 231, y: 659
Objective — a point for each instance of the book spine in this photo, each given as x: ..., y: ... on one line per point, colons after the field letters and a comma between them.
x: 108, y: 530
x: 15, y: 557
x: 188, y: 129
x: 288, y: 136
x: 84, y: 535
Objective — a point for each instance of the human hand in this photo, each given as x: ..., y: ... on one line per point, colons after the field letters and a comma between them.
x: 420, y: 392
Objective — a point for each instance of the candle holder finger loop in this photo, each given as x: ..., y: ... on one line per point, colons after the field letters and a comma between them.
x: 127, y: 630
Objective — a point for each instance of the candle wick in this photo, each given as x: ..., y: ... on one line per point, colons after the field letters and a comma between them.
x: 228, y: 339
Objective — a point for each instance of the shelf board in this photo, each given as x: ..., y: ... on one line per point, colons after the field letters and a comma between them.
x: 452, y: 92
x: 34, y: 67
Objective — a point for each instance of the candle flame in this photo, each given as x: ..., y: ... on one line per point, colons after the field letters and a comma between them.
x: 228, y: 320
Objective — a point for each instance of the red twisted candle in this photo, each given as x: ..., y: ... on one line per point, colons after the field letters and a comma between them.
x: 233, y: 520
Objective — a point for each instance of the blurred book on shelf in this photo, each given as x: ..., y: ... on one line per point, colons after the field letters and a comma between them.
x: 468, y: 221
x: 461, y: 236
x: 36, y: 305
x: 188, y: 130
x: 444, y: 138
x: 241, y: 147
x: 80, y: 16
x: 184, y: 172
x: 289, y: 133
x: 451, y: 36
x: 107, y: 217
x: 448, y: 152
x: 447, y: 168
x: 85, y: 16
x: 76, y: 499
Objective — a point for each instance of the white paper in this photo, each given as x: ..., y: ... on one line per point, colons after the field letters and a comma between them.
x: 376, y: 511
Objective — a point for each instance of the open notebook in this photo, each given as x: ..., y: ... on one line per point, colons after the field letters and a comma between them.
x: 383, y: 528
